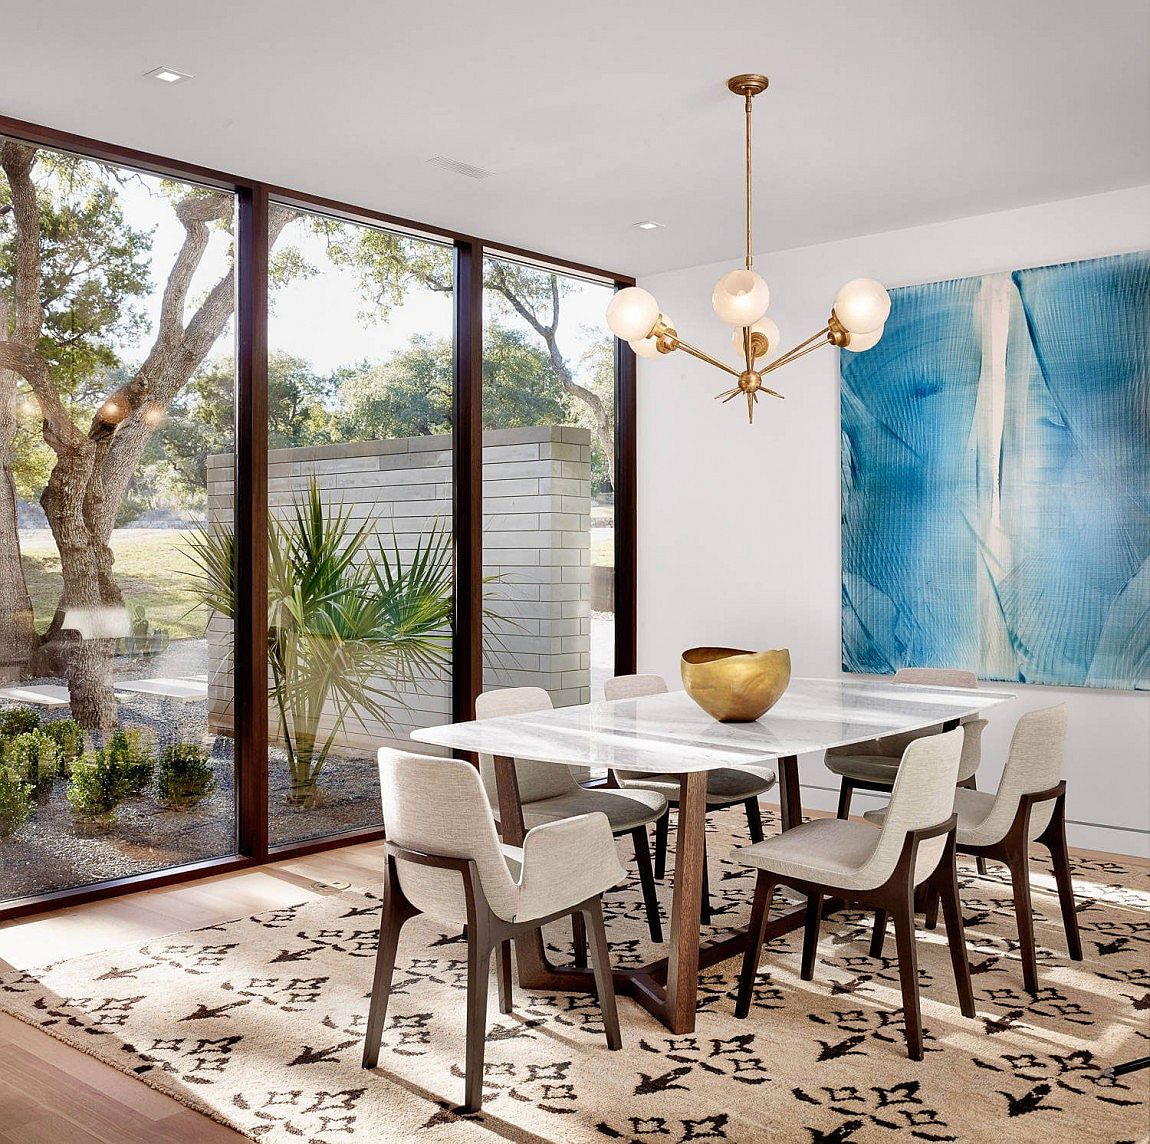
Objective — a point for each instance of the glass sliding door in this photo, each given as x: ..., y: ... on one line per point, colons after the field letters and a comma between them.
x: 117, y: 391
x: 548, y: 481
x: 359, y: 491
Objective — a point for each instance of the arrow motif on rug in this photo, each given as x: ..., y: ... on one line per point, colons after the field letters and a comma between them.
x: 311, y: 1056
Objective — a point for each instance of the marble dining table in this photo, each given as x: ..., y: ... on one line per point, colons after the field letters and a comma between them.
x: 671, y: 734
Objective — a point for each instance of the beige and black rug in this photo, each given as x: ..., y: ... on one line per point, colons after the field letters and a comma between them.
x: 259, y: 1023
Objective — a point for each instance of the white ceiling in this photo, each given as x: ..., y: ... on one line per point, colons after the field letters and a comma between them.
x: 593, y: 114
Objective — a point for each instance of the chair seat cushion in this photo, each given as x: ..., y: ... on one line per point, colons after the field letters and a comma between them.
x: 971, y: 806
x: 625, y: 809
x: 865, y: 768
x: 829, y: 851
x: 724, y: 787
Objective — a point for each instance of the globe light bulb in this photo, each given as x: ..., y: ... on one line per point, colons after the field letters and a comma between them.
x: 860, y: 342
x: 632, y: 313
x: 765, y: 326
x: 649, y: 347
x: 862, y: 305
x: 741, y: 298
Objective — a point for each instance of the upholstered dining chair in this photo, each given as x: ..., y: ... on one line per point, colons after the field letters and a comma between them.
x: 725, y: 788
x: 881, y: 868
x: 444, y: 859
x: 1029, y: 806
x: 549, y: 792
x: 872, y: 765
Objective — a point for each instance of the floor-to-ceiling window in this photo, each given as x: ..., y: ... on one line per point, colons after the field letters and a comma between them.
x: 360, y: 505
x: 117, y: 396
x: 548, y: 480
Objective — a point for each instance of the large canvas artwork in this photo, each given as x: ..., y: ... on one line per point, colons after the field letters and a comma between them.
x: 996, y: 478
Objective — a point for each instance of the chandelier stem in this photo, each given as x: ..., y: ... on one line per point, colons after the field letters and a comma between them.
x: 750, y: 257
x: 694, y: 351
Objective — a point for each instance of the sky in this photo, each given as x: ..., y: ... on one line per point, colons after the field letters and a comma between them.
x: 320, y: 318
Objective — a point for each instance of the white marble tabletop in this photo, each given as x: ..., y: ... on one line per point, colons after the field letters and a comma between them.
x: 670, y: 733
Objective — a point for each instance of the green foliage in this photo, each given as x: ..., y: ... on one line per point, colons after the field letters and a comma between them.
x: 34, y: 756
x: 70, y: 740
x: 18, y: 721
x: 15, y: 801
x: 131, y: 748
x: 185, y: 775
x: 344, y: 612
x: 98, y: 785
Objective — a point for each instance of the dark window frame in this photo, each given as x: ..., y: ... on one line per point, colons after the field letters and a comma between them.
x: 251, y: 732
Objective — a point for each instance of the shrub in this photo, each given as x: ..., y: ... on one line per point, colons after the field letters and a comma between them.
x: 15, y: 801
x: 131, y: 747
x: 33, y: 756
x: 18, y: 721
x: 185, y: 775
x: 98, y: 785
x: 69, y: 739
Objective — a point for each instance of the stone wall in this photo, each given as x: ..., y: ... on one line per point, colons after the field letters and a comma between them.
x: 536, y: 543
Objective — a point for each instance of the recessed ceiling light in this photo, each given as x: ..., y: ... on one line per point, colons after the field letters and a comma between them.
x: 167, y: 75
x: 648, y: 224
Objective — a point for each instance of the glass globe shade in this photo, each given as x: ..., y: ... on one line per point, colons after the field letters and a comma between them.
x: 649, y: 347
x: 765, y: 326
x: 862, y: 305
x: 741, y: 298
x: 860, y: 342
x: 631, y: 313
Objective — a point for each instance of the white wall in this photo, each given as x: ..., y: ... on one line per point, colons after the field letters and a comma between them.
x: 739, y: 526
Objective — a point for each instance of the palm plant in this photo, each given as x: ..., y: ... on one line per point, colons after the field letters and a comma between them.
x: 348, y: 621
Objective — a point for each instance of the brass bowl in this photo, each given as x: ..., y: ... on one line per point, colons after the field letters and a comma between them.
x: 735, y: 686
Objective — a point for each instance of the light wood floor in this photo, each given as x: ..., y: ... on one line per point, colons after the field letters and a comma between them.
x: 52, y: 1094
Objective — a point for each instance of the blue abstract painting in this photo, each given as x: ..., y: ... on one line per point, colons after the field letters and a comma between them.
x: 996, y: 479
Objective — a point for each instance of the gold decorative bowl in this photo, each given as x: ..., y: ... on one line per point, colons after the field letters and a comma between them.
x: 735, y: 686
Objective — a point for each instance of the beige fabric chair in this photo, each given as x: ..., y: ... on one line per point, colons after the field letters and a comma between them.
x: 725, y: 788
x: 1029, y: 806
x: 872, y: 765
x: 881, y: 868
x: 445, y: 859
x: 548, y: 793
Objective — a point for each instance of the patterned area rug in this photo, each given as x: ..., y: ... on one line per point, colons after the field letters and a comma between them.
x: 259, y: 1023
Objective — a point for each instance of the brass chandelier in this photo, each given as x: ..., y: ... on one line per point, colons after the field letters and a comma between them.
x: 740, y: 299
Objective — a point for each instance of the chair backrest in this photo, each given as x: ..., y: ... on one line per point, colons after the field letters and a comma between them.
x: 922, y: 796
x: 537, y: 780
x: 437, y: 806
x: 936, y: 677
x: 1037, y: 753
x: 633, y: 686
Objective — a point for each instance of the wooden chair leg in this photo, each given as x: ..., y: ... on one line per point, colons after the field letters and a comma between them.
x: 504, y: 976
x: 662, y: 830
x: 705, y: 904
x: 578, y: 941
x: 931, y: 910
x: 1019, y: 865
x: 1054, y: 839
x: 946, y: 882
x: 908, y: 976
x: 760, y: 912
x: 395, y: 911
x: 846, y: 789
x: 478, y: 971
x: 811, y: 936
x: 754, y: 820
x: 878, y: 933
x: 647, y: 881
x: 604, y: 982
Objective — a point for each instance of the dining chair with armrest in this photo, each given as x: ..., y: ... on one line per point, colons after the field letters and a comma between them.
x: 1029, y: 806
x: 444, y: 859
x: 881, y: 868
x: 727, y: 787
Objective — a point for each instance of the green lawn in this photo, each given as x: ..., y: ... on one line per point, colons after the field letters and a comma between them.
x: 149, y: 569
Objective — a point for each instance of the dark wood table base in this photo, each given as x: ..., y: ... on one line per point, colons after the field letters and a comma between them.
x: 667, y: 988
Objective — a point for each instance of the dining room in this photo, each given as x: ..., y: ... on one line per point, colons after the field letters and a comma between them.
x: 556, y: 588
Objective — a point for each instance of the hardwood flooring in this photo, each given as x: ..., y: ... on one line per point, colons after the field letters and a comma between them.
x: 53, y: 1094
